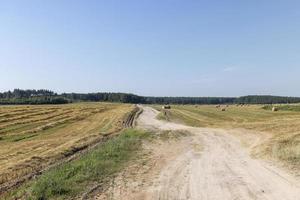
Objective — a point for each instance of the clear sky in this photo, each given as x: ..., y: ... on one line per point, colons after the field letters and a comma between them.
x: 152, y: 47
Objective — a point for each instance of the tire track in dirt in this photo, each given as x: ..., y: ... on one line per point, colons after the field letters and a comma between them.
x: 211, y: 165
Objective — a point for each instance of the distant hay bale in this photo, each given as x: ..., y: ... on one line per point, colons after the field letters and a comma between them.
x: 274, y: 109
x: 223, y: 109
x: 166, y: 107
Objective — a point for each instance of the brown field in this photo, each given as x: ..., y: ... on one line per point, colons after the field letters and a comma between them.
x: 279, y: 132
x: 33, y: 137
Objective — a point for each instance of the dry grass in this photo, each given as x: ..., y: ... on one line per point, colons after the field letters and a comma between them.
x: 32, y: 137
x: 283, y: 126
x: 74, y: 180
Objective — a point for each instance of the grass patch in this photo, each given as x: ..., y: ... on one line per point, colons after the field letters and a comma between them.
x: 17, y: 138
x: 295, y: 108
x: 172, y: 134
x: 175, y: 115
x: 162, y: 116
x: 288, y: 149
x: 71, y: 179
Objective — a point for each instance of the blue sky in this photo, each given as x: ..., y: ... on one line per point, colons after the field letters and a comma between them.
x: 152, y: 47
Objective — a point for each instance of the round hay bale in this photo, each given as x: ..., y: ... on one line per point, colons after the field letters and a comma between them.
x: 274, y: 109
x: 166, y: 107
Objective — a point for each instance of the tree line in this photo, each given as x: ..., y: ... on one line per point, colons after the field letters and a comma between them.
x: 105, y: 97
x: 34, y: 101
x: 18, y: 93
x: 18, y: 96
x: 189, y: 100
x: 266, y: 99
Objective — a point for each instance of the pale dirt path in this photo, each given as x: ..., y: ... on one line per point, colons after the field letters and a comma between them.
x: 212, y: 165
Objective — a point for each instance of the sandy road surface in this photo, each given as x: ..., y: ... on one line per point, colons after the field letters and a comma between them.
x: 211, y: 166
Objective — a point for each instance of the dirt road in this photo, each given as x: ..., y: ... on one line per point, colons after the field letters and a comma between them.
x: 212, y: 165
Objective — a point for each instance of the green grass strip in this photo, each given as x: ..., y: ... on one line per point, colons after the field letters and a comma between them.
x: 73, y: 178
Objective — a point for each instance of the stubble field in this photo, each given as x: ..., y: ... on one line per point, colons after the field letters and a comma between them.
x: 34, y: 137
x: 277, y: 133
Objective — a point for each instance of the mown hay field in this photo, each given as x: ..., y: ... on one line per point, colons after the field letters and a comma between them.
x: 33, y: 137
x: 282, y: 127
